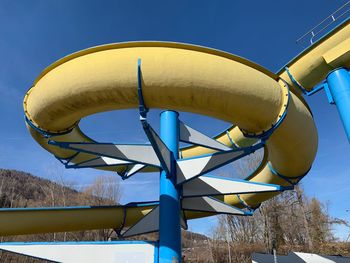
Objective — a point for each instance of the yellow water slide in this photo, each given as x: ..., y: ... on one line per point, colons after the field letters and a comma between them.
x: 185, y: 78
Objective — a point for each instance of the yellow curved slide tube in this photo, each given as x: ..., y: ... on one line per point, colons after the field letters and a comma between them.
x: 184, y: 78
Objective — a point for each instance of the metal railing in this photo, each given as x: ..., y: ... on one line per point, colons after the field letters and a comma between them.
x: 316, y: 31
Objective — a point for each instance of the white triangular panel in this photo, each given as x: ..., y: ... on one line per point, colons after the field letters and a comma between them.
x: 87, y: 252
x: 149, y: 223
x: 210, y: 185
x: 113, y: 161
x: 190, y: 168
x: 298, y: 257
x: 190, y: 135
x: 101, y: 161
x: 314, y: 258
x: 210, y: 204
x: 136, y: 168
x: 128, y: 152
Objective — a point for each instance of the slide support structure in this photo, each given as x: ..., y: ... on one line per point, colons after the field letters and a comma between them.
x: 339, y: 85
x: 169, y: 200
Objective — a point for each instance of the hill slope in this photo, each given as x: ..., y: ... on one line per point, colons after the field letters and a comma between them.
x: 21, y: 189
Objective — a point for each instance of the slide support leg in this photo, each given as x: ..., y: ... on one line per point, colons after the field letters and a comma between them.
x: 339, y: 85
x: 169, y: 200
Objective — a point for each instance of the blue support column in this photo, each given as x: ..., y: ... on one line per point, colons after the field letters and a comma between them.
x: 169, y: 201
x: 339, y: 85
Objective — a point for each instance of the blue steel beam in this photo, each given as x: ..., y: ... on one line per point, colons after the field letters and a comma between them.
x: 169, y: 200
x: 339, y: 85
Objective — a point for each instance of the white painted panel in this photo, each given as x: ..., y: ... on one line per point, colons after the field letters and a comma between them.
x: 73, y: 252
x: 137, y: 153
x: 209, y: 185
x: 190, y: 135
x: 298, y: 257
x: 190, y: 168
x: 136, y: 168
x: 112, y: 161
x: 187, y: 169
x: 102, y: 161
x: 210, y: 204
x: 314, y: 258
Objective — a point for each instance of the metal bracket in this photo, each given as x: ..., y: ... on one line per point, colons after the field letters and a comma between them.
x: 244, y: 204
x: 288, y: 179
x: 295, y: 82
x: 317, y: 88
x: 48, y: 134
x: 142, y: 106
x: 264, y: 136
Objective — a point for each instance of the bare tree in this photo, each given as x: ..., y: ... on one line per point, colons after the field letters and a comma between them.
x: 105, y: 190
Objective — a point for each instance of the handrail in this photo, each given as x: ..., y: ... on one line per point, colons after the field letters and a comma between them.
x: 325, y: 23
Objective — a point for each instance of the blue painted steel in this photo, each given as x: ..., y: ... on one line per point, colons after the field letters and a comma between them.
x: 243, y: 203
x: 151, y: 135
x: 46, y: 133
x: 118, y: 230
x: 156, y: 252
x: 119, y: 242
x: 233, y: 144
x: 169, y: 200
x: 329, y: 94
x: 291, y: 180
x: 264, y: 136
x: 142, y: 107
x: 339, y: 86
x: 131, y: 204
x: 295, y: 82
x: 320, y: 86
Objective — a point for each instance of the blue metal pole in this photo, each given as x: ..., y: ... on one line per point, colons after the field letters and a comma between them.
x: 169, y: 200
x: 339, y: 85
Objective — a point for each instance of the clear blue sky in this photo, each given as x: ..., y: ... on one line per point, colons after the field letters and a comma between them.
x: 36, y: 33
